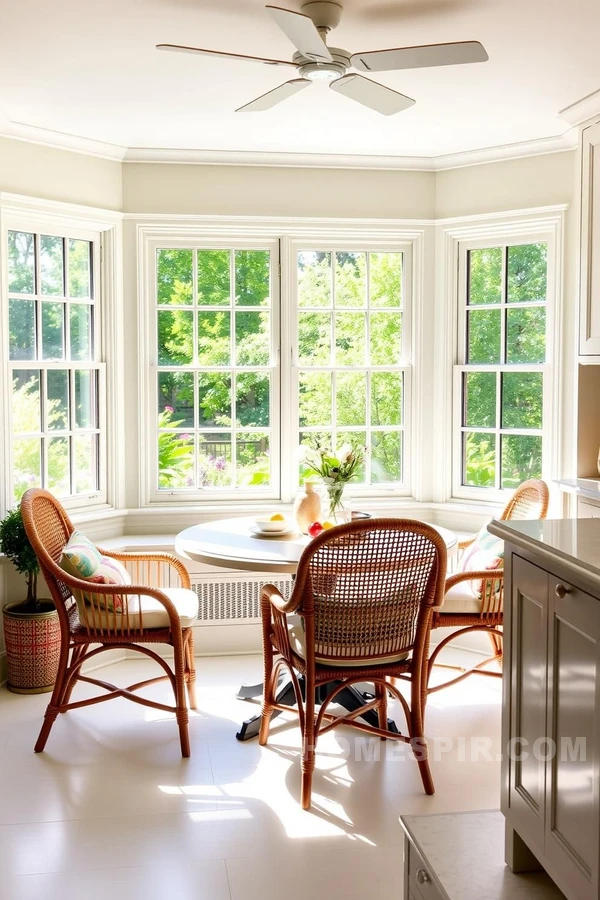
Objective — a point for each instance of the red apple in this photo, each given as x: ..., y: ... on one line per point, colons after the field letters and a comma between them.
x: 315, y: 528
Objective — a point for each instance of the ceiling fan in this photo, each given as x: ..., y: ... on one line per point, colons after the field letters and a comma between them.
x: 315, y: 61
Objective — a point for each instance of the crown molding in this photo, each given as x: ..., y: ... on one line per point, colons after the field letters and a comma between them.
x: 59, y: 140
x: 91, y: 147
x: 582, y: 110
x: 538, y: 147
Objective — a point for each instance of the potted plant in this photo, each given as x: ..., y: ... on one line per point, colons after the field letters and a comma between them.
x: 31, y: 626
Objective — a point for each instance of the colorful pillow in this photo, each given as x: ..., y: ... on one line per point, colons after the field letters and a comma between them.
x: 486, y: 552
x: 81, y: 559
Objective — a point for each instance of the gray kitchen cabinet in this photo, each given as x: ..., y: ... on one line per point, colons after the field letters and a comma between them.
x: 551, y: 720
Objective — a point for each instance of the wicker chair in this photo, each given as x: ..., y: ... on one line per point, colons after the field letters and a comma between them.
x: 365, y: 593
x: 464, y: 610
x: 149, y: 616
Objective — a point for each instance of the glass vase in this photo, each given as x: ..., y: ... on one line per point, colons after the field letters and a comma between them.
x: 337, y: 504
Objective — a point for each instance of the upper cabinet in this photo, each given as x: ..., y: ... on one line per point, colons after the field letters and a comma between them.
x: 589, y: 282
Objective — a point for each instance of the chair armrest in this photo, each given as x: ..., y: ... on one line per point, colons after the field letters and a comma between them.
x: 480, y: 574
x: 271, y: 595
x: 148, y: 557
x: 462, y: 545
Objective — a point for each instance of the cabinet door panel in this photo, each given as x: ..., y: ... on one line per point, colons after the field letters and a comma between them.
x: 528, y: 700
x: 589, y: 341
x: 572, y: 814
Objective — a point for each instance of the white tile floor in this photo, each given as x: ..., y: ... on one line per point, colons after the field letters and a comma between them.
x: 110, y: 810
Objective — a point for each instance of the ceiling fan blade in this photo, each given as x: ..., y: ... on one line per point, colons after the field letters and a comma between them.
x: 302, y: 32
x: 420, y: 57
x: 271, y: 98
x: 372, y: 94
x: 178, y: 48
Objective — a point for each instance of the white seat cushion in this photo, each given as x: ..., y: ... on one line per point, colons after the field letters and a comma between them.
x: 461, y: 599
x: 298, y: 644
x: 154, y: 615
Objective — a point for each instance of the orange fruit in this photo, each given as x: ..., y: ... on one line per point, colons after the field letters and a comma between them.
x: 328, y: 524
x: 277, y: 517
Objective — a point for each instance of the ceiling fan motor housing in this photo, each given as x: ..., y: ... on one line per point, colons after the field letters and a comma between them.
x: 324, y: 13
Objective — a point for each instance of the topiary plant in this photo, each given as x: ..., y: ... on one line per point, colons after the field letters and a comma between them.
x: 15, y: 545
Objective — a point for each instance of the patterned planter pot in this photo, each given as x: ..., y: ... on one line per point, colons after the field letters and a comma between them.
x: 32, y: 649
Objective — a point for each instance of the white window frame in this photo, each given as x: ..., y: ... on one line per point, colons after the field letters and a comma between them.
x: 229, y: 232
x: 402, y: 489
x: 19, y: 213
x: 497, y: 232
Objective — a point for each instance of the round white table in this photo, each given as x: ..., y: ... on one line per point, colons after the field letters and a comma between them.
x: 230, y: 543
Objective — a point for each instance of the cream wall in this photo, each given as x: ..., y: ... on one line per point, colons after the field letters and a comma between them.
x: 52, y: 174
x: 268, y: 191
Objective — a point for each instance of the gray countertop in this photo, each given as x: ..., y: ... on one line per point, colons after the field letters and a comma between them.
x: 574, y: 544
x: 464, y: 851
x: 585, y: 487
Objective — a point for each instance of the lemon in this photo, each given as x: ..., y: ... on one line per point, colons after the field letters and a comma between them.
x: 277, y: 517
x: 328, y: 524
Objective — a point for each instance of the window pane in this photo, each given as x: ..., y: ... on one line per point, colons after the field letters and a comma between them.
x: 350, y: 339
x: 21, y: 328
x: 385, y: 271
x: 527, y: 269
x: 483, y: 336
x: 521, y: 459
x: 314, y: 278
x: 252, y: 338
x: 214, y: 338
x: 526, y: 335
x: 85, y: 399
x: 479, y: 391
x: 252, y: 400
x: 175, y: 337
x: 21, y: 262
x: 252, y: 277
x: 479, y: 459
x: 176, y: 399
x: 52, y: 274
x: 214, y: 460
x: 485, y: 275
x: 53, y: 330
x: 27, y: 465
x: 175, y: 460
x: 253, y: 464
x: 214, y: 277
x: 386, y: 398
x: 386, y: 338
x: 351, y: 398
x: 85, y: 449
x: 57, y: 381
x: 59, y: 470
x: 314, y: 398
x: 81, y: 331
x: 522, y: 399
x: 80, y: 269
x: 314, y: 339
x: 175, y: 277
x: 350, y: 279
x: 386, y: 456
x: 26, y: 408
x: 214, y: 399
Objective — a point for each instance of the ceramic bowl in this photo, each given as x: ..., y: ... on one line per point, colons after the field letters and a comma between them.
x: 264, y: 523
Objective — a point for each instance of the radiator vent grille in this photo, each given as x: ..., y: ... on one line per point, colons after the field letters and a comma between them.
x: 233, y: 600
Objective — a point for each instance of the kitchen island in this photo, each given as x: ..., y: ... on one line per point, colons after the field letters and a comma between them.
x: 551, y: 700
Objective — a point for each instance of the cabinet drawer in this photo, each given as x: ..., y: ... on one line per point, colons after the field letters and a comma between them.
x: 420, y: 880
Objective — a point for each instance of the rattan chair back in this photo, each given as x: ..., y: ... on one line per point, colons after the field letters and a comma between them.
x: 366, y: 589
x: 529, y: 501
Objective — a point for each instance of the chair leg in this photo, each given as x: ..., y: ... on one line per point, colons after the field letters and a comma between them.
x: 417, y: 737
x: 181, y: 710
x: 191, y: 670
x: 268, y: 687
x: 382, y: 715
x: 497, y: 645
x: 308, y: 745
x: 57, y: 698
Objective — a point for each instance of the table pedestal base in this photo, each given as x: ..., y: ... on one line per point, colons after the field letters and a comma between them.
x: 350, y: 698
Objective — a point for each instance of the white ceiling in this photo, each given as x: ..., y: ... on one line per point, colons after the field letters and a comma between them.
x: 91, y: 70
